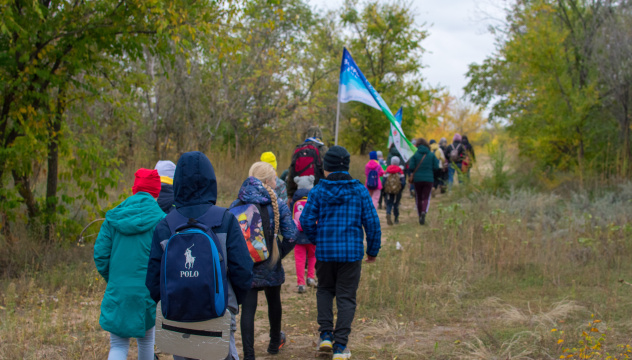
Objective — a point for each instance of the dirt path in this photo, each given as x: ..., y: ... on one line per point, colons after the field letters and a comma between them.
x: 406, y: 337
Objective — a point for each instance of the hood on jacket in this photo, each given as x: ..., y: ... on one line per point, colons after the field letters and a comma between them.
x: 422, y: 149
x: 299, y: 194
x: 393, y: 169
x: 194, y: 181
x: 434, y: 147
x: 253, y: 192
x: 339, y: 191
x: 373, y: 164
x: 137, y: 214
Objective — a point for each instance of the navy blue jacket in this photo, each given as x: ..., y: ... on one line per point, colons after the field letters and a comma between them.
x: 301, y: 238
x: 165, y: 199
x: 195, y: 191
x: 253, y: 192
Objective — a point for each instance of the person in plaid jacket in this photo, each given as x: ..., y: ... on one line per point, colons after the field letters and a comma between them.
x: 337, y: 210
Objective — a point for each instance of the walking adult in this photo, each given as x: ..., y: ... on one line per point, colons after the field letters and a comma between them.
x: 455, y: 154
x: 469, y: 158
x: 121, y: 253
x: 443, y: 145
x: 373, y: 172
x: 269, y: 275
x: 423, y: 165
x: 307, y: 159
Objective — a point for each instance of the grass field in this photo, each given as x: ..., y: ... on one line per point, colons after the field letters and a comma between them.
x: 512, y: 277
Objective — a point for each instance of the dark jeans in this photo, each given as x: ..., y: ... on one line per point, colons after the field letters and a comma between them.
x: 339, y: 280
x: 248, y: 310
x: 392, y: 203
x: 382, y: 195
x: 423, y: 190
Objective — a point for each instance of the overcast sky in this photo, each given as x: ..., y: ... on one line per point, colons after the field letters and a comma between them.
x: 458, y: 36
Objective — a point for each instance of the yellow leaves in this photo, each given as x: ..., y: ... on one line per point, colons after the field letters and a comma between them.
x: 553, y: 330
x: 560, y: 341
x: 594, y: 330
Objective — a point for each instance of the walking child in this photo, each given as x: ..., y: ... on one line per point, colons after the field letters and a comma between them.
x: 338, y: 211
x: 373, y: 172
x: 121, y: 253
x: 305, y: 251
x: 393, y: 187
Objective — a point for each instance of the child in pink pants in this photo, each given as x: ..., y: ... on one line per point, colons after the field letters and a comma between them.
x: 304, y: 251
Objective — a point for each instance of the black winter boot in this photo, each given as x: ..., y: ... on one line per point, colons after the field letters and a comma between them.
x: 389, y: 221
x: 422, y: 219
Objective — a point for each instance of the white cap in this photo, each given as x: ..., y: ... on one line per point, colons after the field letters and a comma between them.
x: 166, y: 168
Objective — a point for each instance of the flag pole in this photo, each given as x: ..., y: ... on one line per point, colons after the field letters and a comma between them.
x: 338, y: 116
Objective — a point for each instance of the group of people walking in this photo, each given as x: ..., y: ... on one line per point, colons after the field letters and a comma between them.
x: 433, y: 166
x: 325, y: 225
x: 316, y: 209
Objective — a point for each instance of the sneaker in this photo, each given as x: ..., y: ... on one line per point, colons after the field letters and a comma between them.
x: 341, y: 352
x: 326, y: 341
x: 389, y: 221
x: 301, y: 289
x: 311, y: 282
x: 274, y: 349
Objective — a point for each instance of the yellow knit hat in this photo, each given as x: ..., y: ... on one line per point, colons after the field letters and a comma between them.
x: 269, y: 158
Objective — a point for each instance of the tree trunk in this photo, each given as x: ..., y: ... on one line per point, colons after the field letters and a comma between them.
x: 53, y: 170
x: 23, y: 184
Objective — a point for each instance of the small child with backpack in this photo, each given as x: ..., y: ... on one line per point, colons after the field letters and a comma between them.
x: 393, y: 187
x: 373, y: 172
x: 274, y: 218
x: 304, y: 251
x: 338, y: 211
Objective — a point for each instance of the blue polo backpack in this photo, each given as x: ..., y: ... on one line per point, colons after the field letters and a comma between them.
x: 193, y: 284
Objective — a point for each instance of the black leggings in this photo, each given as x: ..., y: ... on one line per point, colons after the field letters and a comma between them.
x: 248, y: 310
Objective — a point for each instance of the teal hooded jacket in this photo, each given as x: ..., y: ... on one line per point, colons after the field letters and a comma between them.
x: 430, y: 163
x: 121, y: 254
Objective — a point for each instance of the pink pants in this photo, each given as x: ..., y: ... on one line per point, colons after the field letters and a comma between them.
x: 302, y: 253
x: 375, y: 196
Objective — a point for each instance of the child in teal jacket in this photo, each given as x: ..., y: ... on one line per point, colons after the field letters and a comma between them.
x: 121, y: 254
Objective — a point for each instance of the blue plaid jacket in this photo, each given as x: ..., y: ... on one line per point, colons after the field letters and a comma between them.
x: 333, y: 218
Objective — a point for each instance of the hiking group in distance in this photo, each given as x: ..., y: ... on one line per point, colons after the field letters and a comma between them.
x: 170, y: 244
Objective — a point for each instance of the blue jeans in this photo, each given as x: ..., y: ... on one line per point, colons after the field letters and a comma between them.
x: 120, y: 346
x: 451, y: 171
x: 392, y: 203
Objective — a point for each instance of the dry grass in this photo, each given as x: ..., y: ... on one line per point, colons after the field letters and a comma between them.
x: 486, y: 279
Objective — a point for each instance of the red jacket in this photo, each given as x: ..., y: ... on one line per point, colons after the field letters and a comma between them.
x: 394, y: 169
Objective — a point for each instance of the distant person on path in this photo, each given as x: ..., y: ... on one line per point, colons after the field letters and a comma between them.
x: 408, y: 171
x: 443, y: 145
x: 166, y: 169
x: 373, y: 172
x: 195, y: 195
x: 305, y: 251
x: 469, y: 158
x: 443, y: 165
x: 121, y: 253
x: 455, y: 154
x: 280, y: 189
x: 380, y: 159
x: 307, y: 159
x: 269, y: 275
x: 393, y: 187
x: 333, y: 220
x: 423, y: 165
x: 392, y: 151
